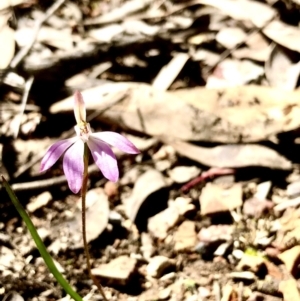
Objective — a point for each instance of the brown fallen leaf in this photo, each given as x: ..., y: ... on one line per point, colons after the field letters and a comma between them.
x: 230, y: 37
x: 162, y: 222
x: 118, y: 271
x: 289, y: 228
x: 4, y: 4
x: 232, y: 73
x: 259, y: 111
x: 231, y: 156
x: 283, y: 34
x: 7, y: 42
x: 232, y: 115
x: 107, y: 33
x: 152, y: 111
x: 148, y: 183
x: 245, y: 10
x: 281, y: 72
x: 68, y: 234
x: 168, y: 73
x: 120, y: 12
x: 185, y: 237
x: 216, y: 198
x: 255, y: 207
x: 291, y: 259
x: 289, y: 289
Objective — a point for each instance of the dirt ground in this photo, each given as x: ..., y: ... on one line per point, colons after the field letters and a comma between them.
x: 208, y: 92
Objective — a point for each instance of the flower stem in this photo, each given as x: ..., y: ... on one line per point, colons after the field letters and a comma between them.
x: 83, y: 214
x: 39, y: 243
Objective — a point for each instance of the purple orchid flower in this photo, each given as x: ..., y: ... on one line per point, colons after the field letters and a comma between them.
x: 98, y: 143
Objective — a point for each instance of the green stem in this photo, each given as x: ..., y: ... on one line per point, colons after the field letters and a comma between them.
x: 39, y: 243
x: 83, y: 214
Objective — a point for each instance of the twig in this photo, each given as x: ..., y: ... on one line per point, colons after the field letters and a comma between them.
x: 211, y: 173
x: 48, y: 182
x: 27, y: 88
x: 25, y: 50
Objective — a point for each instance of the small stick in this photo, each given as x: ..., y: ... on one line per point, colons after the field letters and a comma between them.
x: 212, y: 172
x: 47, y: 182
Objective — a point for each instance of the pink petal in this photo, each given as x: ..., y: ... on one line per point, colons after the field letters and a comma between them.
x: 104, y: 158
x: 54, y: 152
x: 117, y: 141
x: 79, y: 108
x: 73, y: 166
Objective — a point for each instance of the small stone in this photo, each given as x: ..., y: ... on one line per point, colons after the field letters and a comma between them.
x: 158, y: 265
x: 13, y: 296
x: 256, y: 207
x: 224, y: 180
x: 111, y: 189
x: 165, y: 152
x: 262, y: 190
x: 39, y: 201
x: 221, y: 250
x: 169, y: 276
x: 191, y: 298
x: 215, y: 233
x: 115, y: 217
x: 291, y: 259
x: 183, y: 174
x: 7, y: 258
x: 204, y: 292
x: 218, y: 198
x: 230, y: 37
x: 147, y: 247
x: 293, y: 189
x: 238, y: 254
x: 164, y: 293
x: 130, y: 177
x: 252, y: 263
x: 185, y: 237
x: 162, y: 165
x: 118, y: 270
x: 161, y: 223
